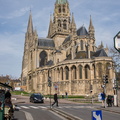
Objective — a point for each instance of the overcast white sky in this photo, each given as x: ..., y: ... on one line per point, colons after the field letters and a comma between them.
x: 14, y: 16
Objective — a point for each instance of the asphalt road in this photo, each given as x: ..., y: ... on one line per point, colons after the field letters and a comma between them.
x: 35, y: 112
x: 85, y: 112
x: 39, y: 111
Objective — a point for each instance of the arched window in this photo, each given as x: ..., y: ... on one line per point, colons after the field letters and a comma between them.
x: 58, y: 74
x: 67, y: 73
x: 93, y: 68
x: 64, y: 9
x: 59, y: 9
x: 81, y: 44
x: 59, y: 23
x: 73, y: 69
x: 76, y: 47
x: 87, y: 71
x: 43, y: 59
x: 76, y: 50
x: 80, y: 72
x: 61, y: 73
x: 99, y: 68
x: 64, y: 24
x: 107, y: 69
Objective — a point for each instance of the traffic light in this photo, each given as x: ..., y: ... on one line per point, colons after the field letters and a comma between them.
x: 106, y: 78
x: 49, y: 81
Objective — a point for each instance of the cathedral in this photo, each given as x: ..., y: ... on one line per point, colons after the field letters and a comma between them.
x: 67, y: 59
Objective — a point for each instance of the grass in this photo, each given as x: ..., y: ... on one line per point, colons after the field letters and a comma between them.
x: 19, y: 93
x: 69, y: 96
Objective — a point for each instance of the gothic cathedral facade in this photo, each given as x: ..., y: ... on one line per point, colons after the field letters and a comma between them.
x: 67, y: 55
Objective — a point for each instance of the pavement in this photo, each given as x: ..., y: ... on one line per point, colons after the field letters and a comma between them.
x: 25, y: 99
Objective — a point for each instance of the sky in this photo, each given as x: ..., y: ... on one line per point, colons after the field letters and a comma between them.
x: 14, y: 16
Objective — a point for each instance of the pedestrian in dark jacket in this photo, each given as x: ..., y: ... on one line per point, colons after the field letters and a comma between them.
x: 8, y: 94
x: 55, y: 100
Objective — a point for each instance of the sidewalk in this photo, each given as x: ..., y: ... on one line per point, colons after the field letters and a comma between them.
x: 111, y: 109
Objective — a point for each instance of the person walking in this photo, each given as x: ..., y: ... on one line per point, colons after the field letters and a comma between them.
x: 103, y: 95
x: 55, y: 100
x: 66, y: 94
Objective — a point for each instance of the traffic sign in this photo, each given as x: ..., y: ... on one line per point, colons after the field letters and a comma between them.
x: 117, y: 42
x: 97, y: 115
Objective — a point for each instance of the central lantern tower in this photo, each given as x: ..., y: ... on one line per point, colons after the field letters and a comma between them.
x: 61, y: 24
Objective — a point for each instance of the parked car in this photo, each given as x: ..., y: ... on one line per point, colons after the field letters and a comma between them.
x: 36, y: 98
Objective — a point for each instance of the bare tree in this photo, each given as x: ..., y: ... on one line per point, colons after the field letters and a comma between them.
x: 116, y: 58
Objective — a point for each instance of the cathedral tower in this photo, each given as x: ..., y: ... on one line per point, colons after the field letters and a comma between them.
x: 29, y: 46
x: 61, y: 25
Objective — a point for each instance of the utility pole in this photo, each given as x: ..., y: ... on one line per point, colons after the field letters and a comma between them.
x: 105, y: 81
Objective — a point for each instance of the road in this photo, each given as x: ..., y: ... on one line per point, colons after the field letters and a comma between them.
x: 39, y: 111
x: 35, y: 112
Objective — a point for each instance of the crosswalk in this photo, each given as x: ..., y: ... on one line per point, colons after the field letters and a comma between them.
x: 46, y: 107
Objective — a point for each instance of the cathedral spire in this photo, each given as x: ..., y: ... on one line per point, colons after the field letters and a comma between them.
x: 50, y: 27
x: 30, y: 24
x: 73, y: 21
x: 73, y: 25
x: 91, y: 28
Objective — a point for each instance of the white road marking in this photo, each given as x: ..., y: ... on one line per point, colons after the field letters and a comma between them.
x: 25, y: 107
x: 34, y: 107
x: 28, y: 115
x: 45, y: 107
x: 17, y: 108
x: 42, y: 107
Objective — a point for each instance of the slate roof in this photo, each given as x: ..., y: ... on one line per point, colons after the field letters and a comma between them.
x: 46, y: 42
x: 100, y: 53
x: 66, y: 39
x: 82, y: 31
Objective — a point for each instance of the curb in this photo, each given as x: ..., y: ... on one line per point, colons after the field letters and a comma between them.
x: 65, y: 114
x: 109, y: 110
